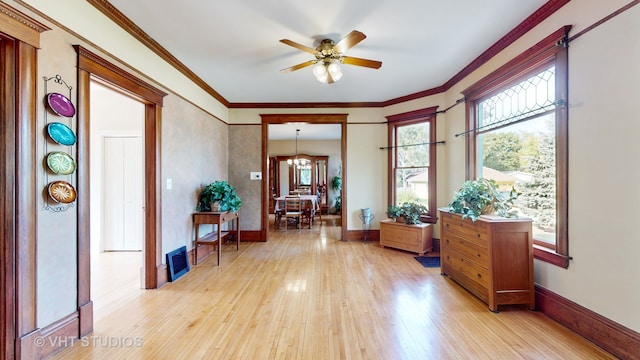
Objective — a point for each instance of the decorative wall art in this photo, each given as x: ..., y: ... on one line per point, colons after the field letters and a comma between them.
x: 59, y: 142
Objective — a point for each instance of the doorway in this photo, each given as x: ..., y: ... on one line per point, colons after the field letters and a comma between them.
x: 117, y: 193
x: 303, y: 120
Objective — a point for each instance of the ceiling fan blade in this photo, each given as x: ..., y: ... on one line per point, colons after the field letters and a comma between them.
x: 299, y: 66
x: 361, y: 62
x: 349, y: 41
x: 299, y: 46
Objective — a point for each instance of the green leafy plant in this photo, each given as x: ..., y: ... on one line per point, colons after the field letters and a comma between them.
x: 409, y: 211
x: 221, y: 192
x: 394, y: 211
x: 482, y: 196
x: 336, y: 184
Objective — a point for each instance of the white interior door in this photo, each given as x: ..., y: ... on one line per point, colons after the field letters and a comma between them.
x: 123, y: 197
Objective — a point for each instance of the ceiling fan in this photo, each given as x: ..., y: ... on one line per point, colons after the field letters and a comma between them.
x: 329, y: 54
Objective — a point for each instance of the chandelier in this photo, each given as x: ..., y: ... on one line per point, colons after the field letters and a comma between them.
x: 300, y: 163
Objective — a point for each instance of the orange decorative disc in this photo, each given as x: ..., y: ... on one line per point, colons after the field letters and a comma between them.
x: 62, y: 192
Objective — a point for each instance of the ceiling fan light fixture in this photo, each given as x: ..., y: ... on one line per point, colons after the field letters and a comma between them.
x: 320, y: 72
x: 335, y: 71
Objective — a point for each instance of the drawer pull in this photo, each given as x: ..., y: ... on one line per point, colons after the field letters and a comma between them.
x: 478, y: 234
x: 479, y: 276
x: 447, y: 241
x: 478, y: 255
x: 447, y: 226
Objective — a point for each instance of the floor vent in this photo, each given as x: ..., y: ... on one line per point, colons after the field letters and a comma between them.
x: 178, y: 263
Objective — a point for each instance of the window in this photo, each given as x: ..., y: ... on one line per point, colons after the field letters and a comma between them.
x: 517, y: 136
x: 412, y: 160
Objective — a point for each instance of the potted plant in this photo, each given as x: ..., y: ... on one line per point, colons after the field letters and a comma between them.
x: 408, y: 212
x: 336, y: 184
x: 482, y: 196
x: 394, y: 212
x: 218, y: 196
x: 411, y: 212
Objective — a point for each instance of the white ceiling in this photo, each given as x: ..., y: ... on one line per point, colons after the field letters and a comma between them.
x: 234, y: 46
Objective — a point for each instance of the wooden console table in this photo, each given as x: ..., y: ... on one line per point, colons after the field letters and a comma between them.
x: 215, y: 237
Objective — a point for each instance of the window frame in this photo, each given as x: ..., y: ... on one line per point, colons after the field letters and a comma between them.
x: 553, y: 50
x: 426, y: 115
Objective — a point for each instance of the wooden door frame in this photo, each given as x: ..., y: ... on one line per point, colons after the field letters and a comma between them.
x: 268, y: 119
x: 20, y: 38
x: 91, y: 65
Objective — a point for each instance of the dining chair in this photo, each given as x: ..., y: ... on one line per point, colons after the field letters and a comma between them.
x: 293, y: 211
x: 278, y: 212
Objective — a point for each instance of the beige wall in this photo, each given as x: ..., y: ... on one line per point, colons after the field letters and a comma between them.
x: 245, y: 149
x: 195, y: 152
x: 56, y: 230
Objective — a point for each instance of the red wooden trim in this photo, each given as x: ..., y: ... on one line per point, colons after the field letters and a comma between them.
x: 356, y: 235
x: 112, y: 74
x: 305, y: 105
x: 547, y: 255
x: 252, y: 236
x: 414, y: 96
x: 611, y: 336
x: 85, y: 307
x: 26, y: 188
x: 41, y: 343
x: 7, y: 201
x: 415, y: 114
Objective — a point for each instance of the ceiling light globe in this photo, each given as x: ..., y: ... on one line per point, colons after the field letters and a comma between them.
x: 334, y: 70
x: 320, y: 72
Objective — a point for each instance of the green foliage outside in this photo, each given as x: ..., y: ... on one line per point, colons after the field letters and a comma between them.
x: 533, y: 154
x: 538, y: 198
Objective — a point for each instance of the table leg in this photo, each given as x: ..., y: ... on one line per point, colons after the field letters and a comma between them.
x: 238, y: 233
x: 219, y: 242
x: 195, y: 246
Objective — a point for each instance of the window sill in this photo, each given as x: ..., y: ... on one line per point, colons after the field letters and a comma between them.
x: 548, y: 255
x: 428, y: 219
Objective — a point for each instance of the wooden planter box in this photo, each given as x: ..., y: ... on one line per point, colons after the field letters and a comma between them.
x: 414, y: 238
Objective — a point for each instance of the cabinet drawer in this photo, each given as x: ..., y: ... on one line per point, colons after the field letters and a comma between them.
x: 475, y: 252
x: 465, y: 266
x: 471, y: 232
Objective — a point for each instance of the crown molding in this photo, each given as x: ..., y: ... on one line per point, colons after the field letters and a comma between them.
x: 21, y: 26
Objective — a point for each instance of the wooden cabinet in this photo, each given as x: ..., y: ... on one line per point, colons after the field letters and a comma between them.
x: 414, y: 238
x: 491, y: 257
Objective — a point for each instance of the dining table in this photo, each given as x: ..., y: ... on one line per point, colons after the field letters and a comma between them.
x: 309, y: 205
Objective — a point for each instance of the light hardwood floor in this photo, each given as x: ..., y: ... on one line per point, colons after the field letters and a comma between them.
x: 307, y: 295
